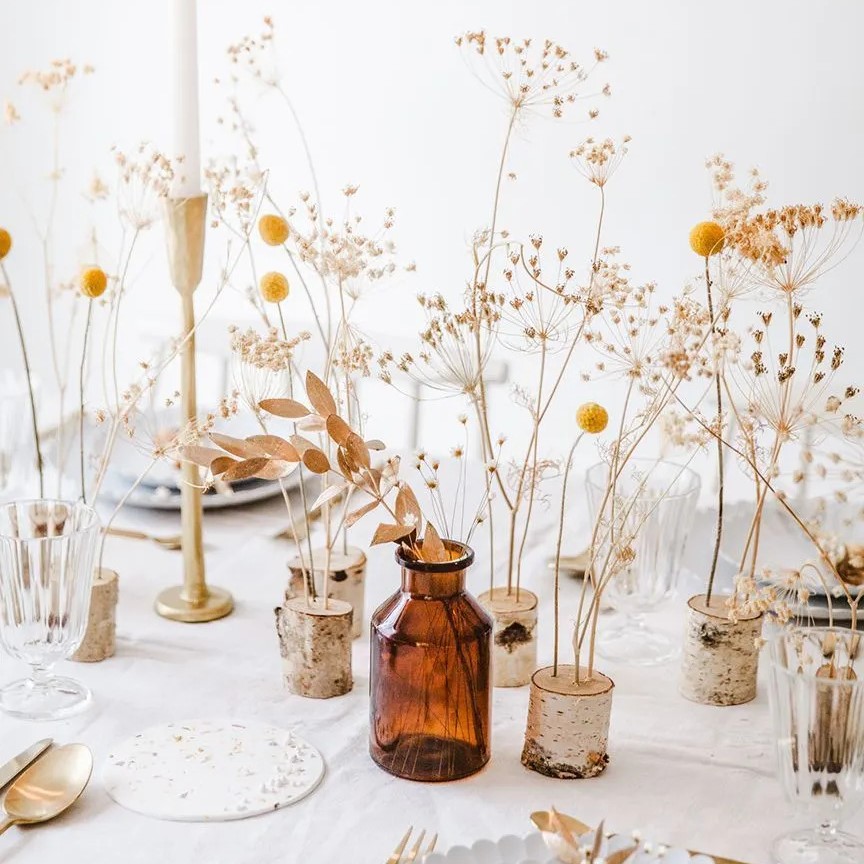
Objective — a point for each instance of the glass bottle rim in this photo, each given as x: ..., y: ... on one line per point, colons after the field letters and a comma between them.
x: 462, y: 562
x: 685, y: 473
x: 793, y: 674
x: 90, y: 522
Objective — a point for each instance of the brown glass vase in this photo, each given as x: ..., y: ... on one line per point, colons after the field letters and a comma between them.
x: 430, y: 683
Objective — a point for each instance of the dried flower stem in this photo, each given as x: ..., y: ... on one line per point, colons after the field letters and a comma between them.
x: 557, y: 591
x: 81, y: 400
x: 720, y: 487
x: 35, y: 423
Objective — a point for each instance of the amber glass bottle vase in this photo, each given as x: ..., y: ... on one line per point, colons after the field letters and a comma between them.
x: 430, y: 687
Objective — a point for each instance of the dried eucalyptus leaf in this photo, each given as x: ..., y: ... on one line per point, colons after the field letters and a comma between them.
x: 358, y: 450
x: 328, y: 494
x: 221, y: 465
x: 321, y: 398
x: 276, y: 469
x: 236, y: 446
x: 390, y: 533
x: 622, y: 855
x: 347, y: 465
x: 359, y: 513
x: 278, y: 448
x: 433, y: 549
x: 316, y: 461
x: 203, y: 456
x: 376, y: 444
x: 312, y: 423
x: 338, y: 429
x: 284, y: 408
x: 407, y: 507
x: 301, y: 444
x: 245, y: 469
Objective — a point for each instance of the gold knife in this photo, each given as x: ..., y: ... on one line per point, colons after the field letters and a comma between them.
x: 14, y: 767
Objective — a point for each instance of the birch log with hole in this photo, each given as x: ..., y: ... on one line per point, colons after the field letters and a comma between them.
x: 514, y: 635
x: 99, y: 642
x: 315, y: 643
x: 721, y: 657
x: 568, y: 723
x: 347, y: 579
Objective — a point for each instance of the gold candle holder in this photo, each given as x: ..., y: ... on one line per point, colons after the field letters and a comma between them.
x: 194, y: 601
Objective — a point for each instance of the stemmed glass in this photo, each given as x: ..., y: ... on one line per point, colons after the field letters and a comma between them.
x: 817, y: 705
x: 46, y: 571
x: 646, y: 522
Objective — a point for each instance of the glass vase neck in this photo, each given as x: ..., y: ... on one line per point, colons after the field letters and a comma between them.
x: 421, y: 584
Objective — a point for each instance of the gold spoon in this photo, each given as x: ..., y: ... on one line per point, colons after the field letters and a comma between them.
x: 48, y: 786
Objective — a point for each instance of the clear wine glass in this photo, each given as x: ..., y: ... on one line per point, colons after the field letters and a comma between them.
x: 646, y: 522
x: 46, y: 571
x: 817, y: 705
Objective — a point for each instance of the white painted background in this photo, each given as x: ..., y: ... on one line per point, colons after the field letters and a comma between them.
x: 387, y: 103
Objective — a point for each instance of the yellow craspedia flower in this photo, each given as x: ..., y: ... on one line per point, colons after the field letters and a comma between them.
x: 93, y: 282
x: 273, y: 230
x: 5, y: 243
x: 707, y: 238
x: 591, y: 417
x: 274, y: 287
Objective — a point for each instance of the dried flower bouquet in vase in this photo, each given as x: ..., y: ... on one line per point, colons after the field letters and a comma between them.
x: 430, y: 675
x: 774, y: 384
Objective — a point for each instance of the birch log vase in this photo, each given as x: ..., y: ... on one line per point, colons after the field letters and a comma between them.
x: 514, y: 635
x: 347, y: 579
x: 568, y: 723
x: 315, y: 643
x: 721, y: 656
x: 99, y: 642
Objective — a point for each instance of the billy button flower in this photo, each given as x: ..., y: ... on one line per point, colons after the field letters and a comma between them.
x: 274, y: 287
x: 273, y: 229
x: 707, y: 239
x: 5, y: 243
x: 592, y: 418
x: 93, y: 282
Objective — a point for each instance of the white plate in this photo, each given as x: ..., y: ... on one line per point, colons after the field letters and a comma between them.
x: 211, y: 770
x: 168, y: 498
x: 532, y: 849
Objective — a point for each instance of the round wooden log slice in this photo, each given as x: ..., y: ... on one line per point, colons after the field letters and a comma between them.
x: 720, y: 660
x: 99, y: 642
x: 568, y: 723
x: 347, y: 579
x: 514, y: 635
x: 315, y: 643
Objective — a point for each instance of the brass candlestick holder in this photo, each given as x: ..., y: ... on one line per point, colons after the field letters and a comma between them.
x: 194, y: 601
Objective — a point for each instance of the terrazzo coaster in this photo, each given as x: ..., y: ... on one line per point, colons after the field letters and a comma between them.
x: 211, y: 770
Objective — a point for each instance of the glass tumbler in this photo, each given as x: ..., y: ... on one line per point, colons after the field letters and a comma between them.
x: 46, y: 571
x: 817, y: 706
x: 644, y: 527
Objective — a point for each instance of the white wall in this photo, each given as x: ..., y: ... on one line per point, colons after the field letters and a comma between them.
x: 387, y: 102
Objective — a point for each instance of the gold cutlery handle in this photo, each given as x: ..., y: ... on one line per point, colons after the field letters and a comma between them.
x: 129, y: 533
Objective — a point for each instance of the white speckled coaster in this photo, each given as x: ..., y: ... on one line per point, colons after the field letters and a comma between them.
x: 211, y: 770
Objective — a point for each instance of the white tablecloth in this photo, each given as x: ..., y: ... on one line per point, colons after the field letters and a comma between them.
x: 688, y: 774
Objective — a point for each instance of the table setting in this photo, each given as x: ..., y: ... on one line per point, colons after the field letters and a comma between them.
x: 614, y: 621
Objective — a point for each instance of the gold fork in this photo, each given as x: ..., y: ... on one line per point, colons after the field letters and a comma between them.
x: 414, y: 851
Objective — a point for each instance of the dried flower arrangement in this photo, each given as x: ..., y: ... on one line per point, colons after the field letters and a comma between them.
x: 780, y: 387
x: 515, y: 303
x: 144, y: 181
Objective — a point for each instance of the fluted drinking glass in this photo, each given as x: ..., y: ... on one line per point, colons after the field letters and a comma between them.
x: 646, y: 523
x: 817, y: 705
x: 46, y: 571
